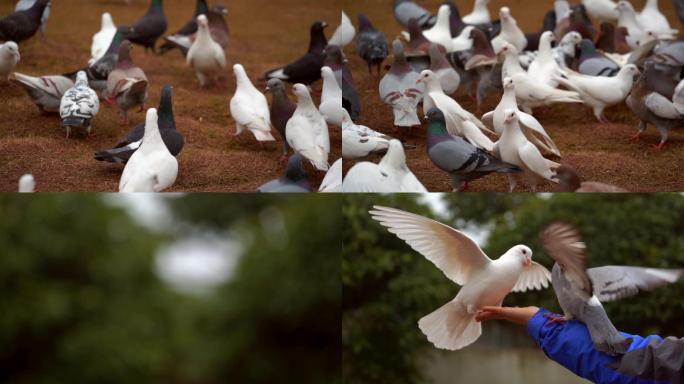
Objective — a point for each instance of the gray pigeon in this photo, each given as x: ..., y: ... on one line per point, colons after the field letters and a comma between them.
x: 580, y: 290
x: 173, y: 139
x: 335, y: 59
x: 295, y: 180
x: 22, y: 25
x: 282, y: 109
x: 371, y: 44
x: 593, y: 63
x: 462, y: 160
x: 405, y: 10
x: 150, y: 27
x: 23, y: 5
x: 45, y: 91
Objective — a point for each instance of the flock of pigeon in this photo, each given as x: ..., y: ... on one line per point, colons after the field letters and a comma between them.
x: 149, y: 150
x: 486, y: 282
x: 633, y: 57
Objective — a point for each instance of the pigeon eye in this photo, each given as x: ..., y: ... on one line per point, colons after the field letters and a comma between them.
x: 524, y: 252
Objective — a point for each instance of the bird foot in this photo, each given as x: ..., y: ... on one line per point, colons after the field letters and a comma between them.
x: 465, y: 187
x: 110, y: 100
x: 283, y: 159
x: 555, y: 319
x: 659, y: 147
x: 636, y: 137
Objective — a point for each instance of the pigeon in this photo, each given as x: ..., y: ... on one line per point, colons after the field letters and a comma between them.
x: 628, y: 20
x: 295, y: 179
x: 332, y: 182
x: 127, y: 85
x: 27, y: 184
x: 514, y: 148
x: 173, y: 139
x: 399, y: 90
x: 391, y: 175
x: 331, y: 98
x: 46, y: 91
x: 152, y: 168
x: 531, y: 128
x: 79, y: 106
x: 529, y: 91
x: 98, y: 72
x: 599, y: 92
x: 580, y: 290
x: 9, y: 58
x: 218, y: 29
x: 544, y: 68
x: 651, y: 19
x: 371, y: 44
x: 23, y: 5
x: 602, y: 10
x: 306, y: 69
x: 103, y: 38
x: 22, y: 25
x: 484, y: 281
x: 205, y: 56
x: 307, y: 131
x: 418, y: 50
x: 566, y: 50
x: 449, y: 79
x: 459, y: 121
x: 510, y: 32
x: 593, y: 63
x: 344, y: 34
x: 463, y: 42
x: 360, y: 141
x: 462, y: 160
x: 483, y: 54
x: 456, y: 24
x: 282, y: 109
x: 569, y: 181
x: 150, y: 27
x: 577, y: 21
x: 335, y: 59
x: 479, y: 15
x: 612, y: 39
x: 249, y: 108
x: 186, y: 32
x: 406, y: 10
x: 440, y: 33
x: 652, y: 107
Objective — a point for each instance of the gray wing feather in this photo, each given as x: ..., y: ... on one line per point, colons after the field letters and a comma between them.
x: 617, y: 282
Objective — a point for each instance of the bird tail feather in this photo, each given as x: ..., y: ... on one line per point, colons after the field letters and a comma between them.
x: 450, y: 327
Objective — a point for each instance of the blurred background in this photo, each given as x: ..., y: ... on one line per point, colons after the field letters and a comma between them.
x: 176, y: 289
x: 388, y: 287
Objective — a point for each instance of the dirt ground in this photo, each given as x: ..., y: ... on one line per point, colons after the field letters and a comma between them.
x: 600, y: 152
x: 264, y: 35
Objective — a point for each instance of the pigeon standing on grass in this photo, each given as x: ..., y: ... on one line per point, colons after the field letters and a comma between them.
x: 371, y: 44
x: 282, y: 109
x: 399, y: 89
x: 46, y: 91
x: 485, y: 282
x: 331, y: 99
x: 103, y: 38
x: 249, y: 108
x: 205, y: 56
x: 127, y: 84
x: 307, y: 132
x: 307, y: 69
x: 150, y: 27
x: 186, y: 32
x: 22, y: 25
x: 9, y: 58
x: 23, y: 5
x: 79, y: 106
x: 580, y: 290
x: 295, y: 179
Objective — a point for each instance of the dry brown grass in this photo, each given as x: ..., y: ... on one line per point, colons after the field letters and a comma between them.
x: 264, y: 35
x: 600, y: 152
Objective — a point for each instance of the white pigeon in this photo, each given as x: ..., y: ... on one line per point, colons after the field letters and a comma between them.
x: 440, y: 33
x: 23, y: 5
x: 307, y: 132
x: 331, y: 98
x: 344, y: 34
x: 205, y: 56
x: 432, y: 84
x: 249, y: 108
x: 79, y: 105
x: 510, y: 32
x: 152, y: 168
x: 544, y: 68
x: 600, y: 92
x: 462, y: 123
x: 332, y: 182
x: 529, y: 91
x: 464, y: 41
x: 9, y: 58
x: 399, y: 90
x: 514, y: 148
x: 45, y: 91
x: 359, y: 141
x: 103, y: 38
x: 652, y: 20
x: 530, y: 126
x: 391, y: 175
x: 601, y: 10
x: 479, y: 15
x: 27, y: 184
x: 485, y: 282
x: 628, y: 19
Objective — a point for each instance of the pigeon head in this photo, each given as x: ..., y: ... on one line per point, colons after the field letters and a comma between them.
x: 572, y: 38
x: 505, y: 13
x: 275, y: 86
x: 426, y: 76
x: 202, y: 22
x: 107, y: 20
x: 435, y: 115
x: 166, y: 108
x: 510, y: 116
x: 548, y: 37
x: 327, y: 74
x: 334, y: 55
x: 125, y: 58
x: 81, y: 79
x: 444, y: 12
x: 507, y: 49
x: 12, y: 48
x: 630, y: 70
x: 364, y: 23
x: 27, y: 184
x: 301, y: 91
x: 522, y: 253
x: 508, y: 83
x: 220, y: 10
x: 295, y: 171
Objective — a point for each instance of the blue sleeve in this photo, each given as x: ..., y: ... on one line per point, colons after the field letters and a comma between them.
x: 569, y: 344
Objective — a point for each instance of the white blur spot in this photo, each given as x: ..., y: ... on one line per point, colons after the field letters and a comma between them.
x: 436, y: 202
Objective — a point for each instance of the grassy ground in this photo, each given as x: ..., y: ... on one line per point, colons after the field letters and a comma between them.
x: 264, y: 35
x: 600, y: 152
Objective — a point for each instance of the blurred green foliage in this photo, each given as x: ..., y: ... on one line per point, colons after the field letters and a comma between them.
x: 388, y: 287
x: 81, y: 302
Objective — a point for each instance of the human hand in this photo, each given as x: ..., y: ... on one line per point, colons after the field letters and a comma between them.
x: 515, y: 315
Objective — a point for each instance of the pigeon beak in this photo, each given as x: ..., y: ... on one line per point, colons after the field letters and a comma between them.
x: 268, y: 89
x: 419, y: 81
x: 529, y: 263
x: 324, y: 25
